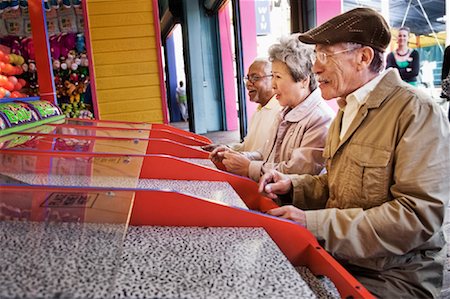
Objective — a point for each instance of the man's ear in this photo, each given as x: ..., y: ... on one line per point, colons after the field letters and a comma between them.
x: 365, y: 57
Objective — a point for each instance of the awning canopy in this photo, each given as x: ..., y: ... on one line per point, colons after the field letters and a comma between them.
x: 415, y: 19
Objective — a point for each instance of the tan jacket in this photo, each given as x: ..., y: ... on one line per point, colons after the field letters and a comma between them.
x: 385, y: 192
x: 296, y: 141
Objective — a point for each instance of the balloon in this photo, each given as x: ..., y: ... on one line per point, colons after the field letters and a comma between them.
x: 22, y: 81
x: 18, y: 86
x: 13, y: 80
x: 8, y: 86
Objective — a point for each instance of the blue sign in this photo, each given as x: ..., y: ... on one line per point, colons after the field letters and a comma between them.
x: 262, y: 12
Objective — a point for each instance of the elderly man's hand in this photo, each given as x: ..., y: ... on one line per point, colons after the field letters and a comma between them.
x: 273, y: 183
x: 217, y: 154
x: 236, y: 163
x: 211, y: 147
x: 291, y: 213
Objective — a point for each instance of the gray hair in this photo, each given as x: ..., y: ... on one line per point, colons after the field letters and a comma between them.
x: 299, y: 58
x: 377, y: 63
x: 267, y: 63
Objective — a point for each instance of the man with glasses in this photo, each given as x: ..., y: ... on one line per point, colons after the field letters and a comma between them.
x: 380, y: 208
x: 259, y: 86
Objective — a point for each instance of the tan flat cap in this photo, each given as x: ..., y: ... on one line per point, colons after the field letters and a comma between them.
x: 360, y: 25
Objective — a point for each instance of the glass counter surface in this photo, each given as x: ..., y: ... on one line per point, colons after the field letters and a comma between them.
x: 107, y: 124
x: 109, y: 171
x: 74, y: 144
x: 89, y: 131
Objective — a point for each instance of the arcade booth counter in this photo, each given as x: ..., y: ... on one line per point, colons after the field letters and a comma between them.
x: 98, y: 224
x: 41, y: 140
x: 28, y: 115
x: 31, y: 131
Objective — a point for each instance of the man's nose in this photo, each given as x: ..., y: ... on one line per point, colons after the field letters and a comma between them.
x: 317, y: 67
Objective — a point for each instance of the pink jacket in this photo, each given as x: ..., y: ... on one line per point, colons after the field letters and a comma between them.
x: 297, y: 140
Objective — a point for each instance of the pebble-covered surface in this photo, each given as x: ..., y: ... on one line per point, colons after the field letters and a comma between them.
x: 68, y: 260
x: 218, y: 191
x: 186, y: 262
x: 74, y: 180
x: 321, y: 286
x: 201, y: 162
x: 58, y: 260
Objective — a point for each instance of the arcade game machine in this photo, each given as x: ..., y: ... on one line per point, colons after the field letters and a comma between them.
x: 88, y: 212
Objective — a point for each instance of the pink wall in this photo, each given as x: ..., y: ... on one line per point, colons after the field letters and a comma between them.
x: 248, y: 24
x: 325, y: 10
x: 249, y: 45
x: 229, y: 83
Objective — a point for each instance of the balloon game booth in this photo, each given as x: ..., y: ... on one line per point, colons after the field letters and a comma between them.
x: 108, y: 209
x: 105, y: 209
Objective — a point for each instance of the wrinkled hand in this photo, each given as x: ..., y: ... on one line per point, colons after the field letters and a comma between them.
x: 273, y: 183
x: 236, y: 163
x: 217, y: 154
x: 291, y: 213
x: 211, y: 147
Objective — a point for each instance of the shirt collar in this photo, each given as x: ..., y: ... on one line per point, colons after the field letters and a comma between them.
x: 362, y: 94
x: 271, y: 104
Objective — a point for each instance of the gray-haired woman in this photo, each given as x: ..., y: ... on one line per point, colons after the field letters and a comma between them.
x: 298, y: 137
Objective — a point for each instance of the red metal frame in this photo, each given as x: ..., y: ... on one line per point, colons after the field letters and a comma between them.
x: 181, y: 132
x: 155, y: 146
x: 176, y: 149
x: 165, y: 167
x: 154, y: 134
x: 163, y: 208
x: 105, y: 124
x: 47, y: 90
x: 172, y: 168
x: 166, y: 134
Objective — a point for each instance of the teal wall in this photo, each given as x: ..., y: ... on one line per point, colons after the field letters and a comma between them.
x: 202, y: 63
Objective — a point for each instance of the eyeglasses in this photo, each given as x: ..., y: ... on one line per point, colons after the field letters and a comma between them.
x: 323, y: 57
x: 254, y: 78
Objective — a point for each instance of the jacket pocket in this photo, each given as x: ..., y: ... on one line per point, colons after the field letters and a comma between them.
x: 368, y: 175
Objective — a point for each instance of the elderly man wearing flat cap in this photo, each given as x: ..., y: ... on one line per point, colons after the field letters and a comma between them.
x: 380, y: 208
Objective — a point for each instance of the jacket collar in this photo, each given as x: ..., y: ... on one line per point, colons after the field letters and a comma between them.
x: 384, y: 88
x: 381, y: 92
x: 304, y: 108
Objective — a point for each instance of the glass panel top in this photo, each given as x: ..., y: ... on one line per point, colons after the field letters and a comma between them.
x: 108, y: 124
x: 115, y: 171
x: 69, y: 144
x: 101, y: 132
x: 68, y: 243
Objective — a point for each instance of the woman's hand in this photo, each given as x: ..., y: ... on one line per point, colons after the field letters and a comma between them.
x: 236, y: 163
